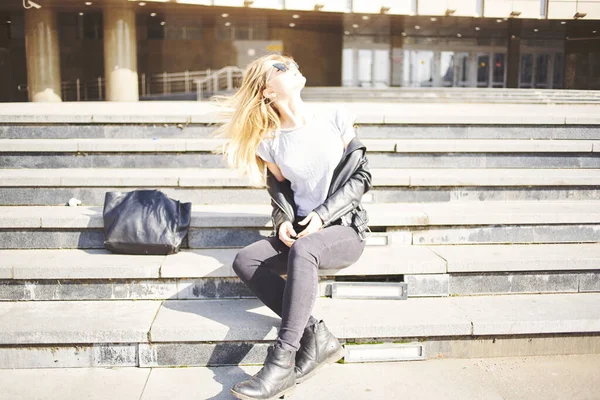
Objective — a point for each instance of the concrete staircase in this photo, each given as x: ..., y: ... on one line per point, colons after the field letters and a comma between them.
x: 451, y: 95
x: 493, y: 226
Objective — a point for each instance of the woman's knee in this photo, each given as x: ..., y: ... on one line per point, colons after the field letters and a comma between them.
x: 303, y: 248
x: 241, y: 263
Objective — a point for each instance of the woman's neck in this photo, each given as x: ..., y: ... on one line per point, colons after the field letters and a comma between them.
x: 293, y: 112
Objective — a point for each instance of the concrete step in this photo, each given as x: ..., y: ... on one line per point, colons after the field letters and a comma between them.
x: 194, y: 112
x: 178, y: 145
x: 234, y: 225
x: 368, y: 130
x: 380, y: 215
x: 506, y: 378
x: 221, y: 332
x: 226, y: 178
x: 207, y: 274
x: 54, y: 196
x: 376, y: 160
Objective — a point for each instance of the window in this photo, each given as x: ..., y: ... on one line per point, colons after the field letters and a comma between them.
x: 483, y: 70
x: 559, y: 70
x: 90, y: 26
x: 254, y: 29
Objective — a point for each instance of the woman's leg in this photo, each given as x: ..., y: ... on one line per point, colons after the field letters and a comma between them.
x: 260, y: 266
x: 334, y: 247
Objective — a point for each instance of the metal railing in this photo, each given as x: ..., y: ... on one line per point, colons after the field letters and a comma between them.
x: 156, y: 84
x: 226, y: 78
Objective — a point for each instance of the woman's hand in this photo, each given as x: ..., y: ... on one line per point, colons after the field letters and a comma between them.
x: 287, y: 233
x: 314, y: 224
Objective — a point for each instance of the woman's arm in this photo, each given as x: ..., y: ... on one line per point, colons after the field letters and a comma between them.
x: 275, y: 171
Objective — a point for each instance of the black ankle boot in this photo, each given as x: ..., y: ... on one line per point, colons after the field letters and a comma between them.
x: 276, y: 379
x: 317, y: 348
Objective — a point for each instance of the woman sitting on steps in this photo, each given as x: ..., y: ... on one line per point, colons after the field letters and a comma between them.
x: 316, y: 172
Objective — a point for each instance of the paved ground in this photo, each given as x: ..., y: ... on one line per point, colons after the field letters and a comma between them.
x: 531, y: 378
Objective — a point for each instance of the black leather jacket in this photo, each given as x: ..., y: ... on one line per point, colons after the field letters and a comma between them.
x: 351, y: 179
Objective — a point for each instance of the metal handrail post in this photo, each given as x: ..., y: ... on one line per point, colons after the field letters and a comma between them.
x: 78, y: 90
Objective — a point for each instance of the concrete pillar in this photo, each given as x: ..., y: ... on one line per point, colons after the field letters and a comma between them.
x: 120, y: 54
x: 42, y: 55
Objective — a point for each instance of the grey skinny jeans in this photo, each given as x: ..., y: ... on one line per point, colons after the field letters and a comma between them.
x: 261, y: 264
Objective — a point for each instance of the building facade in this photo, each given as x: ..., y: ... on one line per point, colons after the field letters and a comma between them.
x: 118, y: 49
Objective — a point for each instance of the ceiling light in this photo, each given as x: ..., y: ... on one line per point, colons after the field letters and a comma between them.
x: 295, y: 16
x: 433, y: 19
x: 88, y: 3
x: 153, y: 14
x: 346, y: 33
x: 227, y: 23
x: 594, y: 32
x: 142, y: 4
x: 365, y: 17
x: 458, y: 35
x: 512, y: 36
x: 498, y: 20
x: 563, y: 22
x: 80, y: 14
x: 355, y: 26
x: 417, y: 27
x: 292, y: 24
x: 477, y: 28
x: 225, y: 15
x: 403, y: 33
x: 536, y: 30
x: 9, y: 22
x: 162, y: 23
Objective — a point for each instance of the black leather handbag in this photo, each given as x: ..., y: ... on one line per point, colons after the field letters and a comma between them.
x: 144, y: 222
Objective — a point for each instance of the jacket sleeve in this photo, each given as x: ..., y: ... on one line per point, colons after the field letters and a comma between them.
x: 348, y: 196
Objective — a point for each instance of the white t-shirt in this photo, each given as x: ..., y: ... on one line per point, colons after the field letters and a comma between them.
x: 307, y: 156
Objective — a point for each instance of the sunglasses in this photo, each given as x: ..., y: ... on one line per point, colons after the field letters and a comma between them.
x: 283, y: 67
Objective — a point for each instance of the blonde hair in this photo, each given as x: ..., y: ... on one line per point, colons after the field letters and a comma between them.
x: 250, y: 118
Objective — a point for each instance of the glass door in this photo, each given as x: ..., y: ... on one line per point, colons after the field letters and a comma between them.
x: 526, y: 71
x: 483, y: 70
x: 542, y: 67
x: 499, y: 71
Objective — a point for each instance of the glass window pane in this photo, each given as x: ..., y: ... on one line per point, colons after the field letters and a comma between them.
x: 541, y: 70
x: 424, y: 68
x: 347, y: 67
x: 447, y: 68
x: 558, y: 71
x: 382, y: 67
x: 365, y: 62
x: 483, y: 70
x: 526, y: 70
x: 498, y: 70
